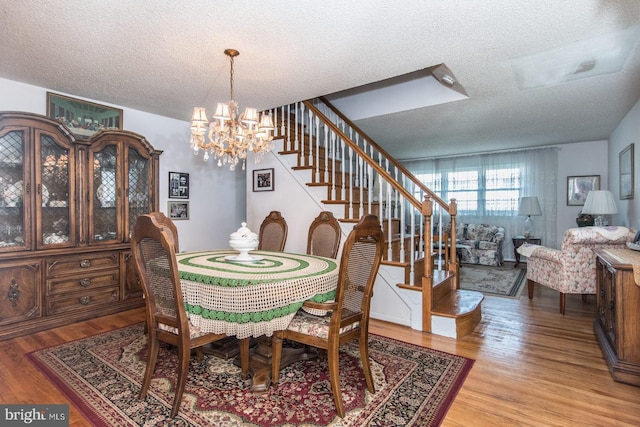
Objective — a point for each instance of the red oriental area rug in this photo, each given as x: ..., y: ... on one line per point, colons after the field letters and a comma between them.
x: 101, y: 375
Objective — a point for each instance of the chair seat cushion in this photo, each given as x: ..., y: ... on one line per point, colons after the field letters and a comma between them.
x: 317, y: 326
x: 194, y: 331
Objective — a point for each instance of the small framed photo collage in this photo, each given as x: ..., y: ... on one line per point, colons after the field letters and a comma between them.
x: 178, y: 189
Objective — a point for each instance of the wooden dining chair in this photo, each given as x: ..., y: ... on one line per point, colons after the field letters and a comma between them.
x: 348, y: 316
x: 273, y: 232
x: 164, y: 220
x: 324, y: 236
x: 153, y: 250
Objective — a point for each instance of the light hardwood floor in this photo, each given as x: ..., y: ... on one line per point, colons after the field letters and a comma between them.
x: 533, y: 366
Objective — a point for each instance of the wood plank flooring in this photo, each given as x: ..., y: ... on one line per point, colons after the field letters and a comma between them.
x: 533, y: 366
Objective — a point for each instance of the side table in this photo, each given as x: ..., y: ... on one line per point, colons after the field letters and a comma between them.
x: 519, y: 241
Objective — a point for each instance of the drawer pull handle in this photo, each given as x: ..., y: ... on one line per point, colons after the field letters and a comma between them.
x: 85, y: 263
x: 85, y: 282
x: 85, y: 300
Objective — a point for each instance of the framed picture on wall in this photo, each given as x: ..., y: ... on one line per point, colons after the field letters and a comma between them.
x: 178, y: 209
x: 178, y: 185
x: 579, y: 186
x: 263, y: 180
x: 626, y: 173
x: 83, y: 118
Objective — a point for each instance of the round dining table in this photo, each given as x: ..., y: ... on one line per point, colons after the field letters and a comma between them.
x: 252, y: 298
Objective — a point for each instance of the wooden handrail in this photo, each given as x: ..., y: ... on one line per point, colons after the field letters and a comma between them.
x: 391, y: 159
x: 407, y: 195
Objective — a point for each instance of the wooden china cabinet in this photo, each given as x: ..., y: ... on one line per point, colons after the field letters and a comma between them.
x: 67, y: 207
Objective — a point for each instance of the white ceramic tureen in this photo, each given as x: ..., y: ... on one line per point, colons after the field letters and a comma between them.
x: 243, y: 240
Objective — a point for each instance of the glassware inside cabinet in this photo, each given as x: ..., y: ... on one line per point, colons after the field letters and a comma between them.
x: 53, y: 192
x: 105, y: 214
x: 138, y: 186
x: 12, y: 193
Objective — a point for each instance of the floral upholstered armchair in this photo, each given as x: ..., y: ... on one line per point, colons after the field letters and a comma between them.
x: 572, y: 269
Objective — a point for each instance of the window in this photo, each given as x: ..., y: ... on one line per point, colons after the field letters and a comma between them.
x: 498, y: 196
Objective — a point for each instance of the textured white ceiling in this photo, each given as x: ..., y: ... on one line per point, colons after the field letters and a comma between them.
x: 165, y: 57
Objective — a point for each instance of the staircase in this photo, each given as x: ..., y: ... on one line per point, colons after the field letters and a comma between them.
x: 360, y: 178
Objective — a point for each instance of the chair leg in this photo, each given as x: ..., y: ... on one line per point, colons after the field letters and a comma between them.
x: 151, y: 364
x: 364, y: 358
x: 563, y: 301
x: 530, y: 285
x: 184, y: 354
x: 334, y: 375
x: 276, y: 355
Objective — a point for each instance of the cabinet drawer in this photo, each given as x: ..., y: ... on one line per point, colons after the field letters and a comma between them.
x: 81, y: 301
x: 80, y: 263
x: 89, y: 282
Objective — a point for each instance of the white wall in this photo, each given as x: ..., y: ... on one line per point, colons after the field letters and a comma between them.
x: 297, y: 207
x: 216, y: 195
x: 626, y: 133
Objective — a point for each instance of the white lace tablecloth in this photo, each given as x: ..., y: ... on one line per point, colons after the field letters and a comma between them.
x: 252, y: 298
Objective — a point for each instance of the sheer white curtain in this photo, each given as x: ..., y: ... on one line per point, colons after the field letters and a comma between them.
x: 493, y: 199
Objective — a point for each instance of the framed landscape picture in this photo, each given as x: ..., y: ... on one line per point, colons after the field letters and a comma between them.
x: 83, y: 118
x: 178, y: 185
x: 626, y: 173
x: 579, y: 186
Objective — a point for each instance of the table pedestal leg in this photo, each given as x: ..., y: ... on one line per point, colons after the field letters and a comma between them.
x: 259, y: 358
x: 260, y: 362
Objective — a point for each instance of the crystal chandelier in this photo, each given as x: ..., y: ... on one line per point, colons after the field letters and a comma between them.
x: 230, y: 135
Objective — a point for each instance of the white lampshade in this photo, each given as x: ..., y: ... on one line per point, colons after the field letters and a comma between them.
x: 529, y: 206
x: 600, y: 202
x: 250, y: 116
x: 222, y: 111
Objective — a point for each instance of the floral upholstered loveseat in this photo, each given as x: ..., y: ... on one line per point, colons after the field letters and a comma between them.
x: 572, y: 269
x: 479, y: 243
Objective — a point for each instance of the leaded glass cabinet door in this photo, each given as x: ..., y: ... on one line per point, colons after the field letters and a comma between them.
x: 14, y: 186
x: 138, y: 179
x: 104, y: 191
x: 54, y: 190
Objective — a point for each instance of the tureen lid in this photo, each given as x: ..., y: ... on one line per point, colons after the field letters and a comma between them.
x: 244, y: 233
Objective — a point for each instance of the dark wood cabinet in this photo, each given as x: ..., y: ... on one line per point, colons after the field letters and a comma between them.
x: 521, y: 240
x: 67, y: 207
x: 617, y: 326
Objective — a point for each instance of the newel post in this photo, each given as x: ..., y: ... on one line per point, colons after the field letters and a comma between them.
x: 454, y: 266
x: 427, y: 279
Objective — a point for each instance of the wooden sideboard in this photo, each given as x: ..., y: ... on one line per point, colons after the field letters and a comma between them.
x: 67, y: 208
x: 617, y: 326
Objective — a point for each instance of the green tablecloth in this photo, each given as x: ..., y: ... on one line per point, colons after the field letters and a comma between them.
x: 256, y: 298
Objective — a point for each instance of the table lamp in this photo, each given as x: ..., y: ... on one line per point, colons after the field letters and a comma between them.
x: 598, y: 203
x: 529, y: 206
